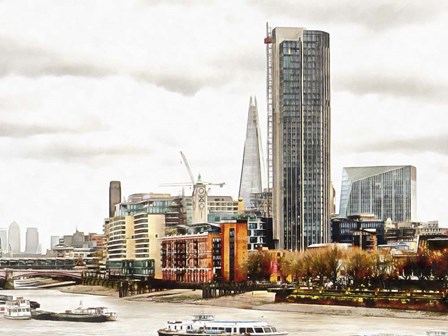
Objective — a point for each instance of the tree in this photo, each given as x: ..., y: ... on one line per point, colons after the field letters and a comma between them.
x: 382, y: 267
x: 258, y: 265
x: 359, y: 266
x: 291, y: 264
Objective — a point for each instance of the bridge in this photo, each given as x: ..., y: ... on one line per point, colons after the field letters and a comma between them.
x: 12, y: 269
x: 17, y: 274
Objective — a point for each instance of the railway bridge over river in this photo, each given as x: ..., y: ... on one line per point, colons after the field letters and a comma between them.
x: 12, y: 269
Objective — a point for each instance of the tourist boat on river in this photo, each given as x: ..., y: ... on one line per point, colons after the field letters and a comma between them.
x: 206, y: 325
x: 17, y: 309
x: 80, y: 314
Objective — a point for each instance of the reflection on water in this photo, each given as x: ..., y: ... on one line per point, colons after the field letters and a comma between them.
x: 144, y: 318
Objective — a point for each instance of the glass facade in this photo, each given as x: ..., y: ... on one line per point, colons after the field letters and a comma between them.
x: 301, y: 145
x: 251, y: 170
x: 385, y: 191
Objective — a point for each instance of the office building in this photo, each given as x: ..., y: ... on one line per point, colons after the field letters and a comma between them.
x: 385, y: 191
x: 298, y: 98
x: 251, y: 170
x: 54, y: 240
x: 32, y: 241
x: 3, y: 240
x: 114, y: 196
x: 365, y: 232
x: 14, y: 238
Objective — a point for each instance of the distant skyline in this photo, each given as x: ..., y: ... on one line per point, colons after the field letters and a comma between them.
x: 93, y: 92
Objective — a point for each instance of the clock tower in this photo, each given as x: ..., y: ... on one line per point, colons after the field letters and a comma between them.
x: 199, y: 202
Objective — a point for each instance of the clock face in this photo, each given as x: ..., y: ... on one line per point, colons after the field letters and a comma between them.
x: 201, y: 191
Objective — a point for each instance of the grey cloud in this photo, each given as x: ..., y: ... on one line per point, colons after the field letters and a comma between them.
x: 17, y: 59
x: 377, y: 15
x: 183, y: 82
x: 437, y: 144
x: 31, y: 61
x: 82, y: 153
x: 21, y: 130
x: 394, y: 86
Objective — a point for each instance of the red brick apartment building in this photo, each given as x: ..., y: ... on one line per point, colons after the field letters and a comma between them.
x: 208, y: 252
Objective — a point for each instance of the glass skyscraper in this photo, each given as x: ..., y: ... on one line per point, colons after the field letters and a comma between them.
x: 385, y: 191
x: 32, y: 241
x: 252, y: 167
x: 14, y: 238
x: 299, y: 98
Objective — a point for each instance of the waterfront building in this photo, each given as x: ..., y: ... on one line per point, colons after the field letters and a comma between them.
x: 252, y: 171
x: 32, y: 241
x: 114, y: 196
x: 132, y: 235
x: 298, y: 87
x: 14, y: 238
x: 207, y: 252
x: 385, y: 191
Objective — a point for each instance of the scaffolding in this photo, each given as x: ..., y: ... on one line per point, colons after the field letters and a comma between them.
x: 268, y: 42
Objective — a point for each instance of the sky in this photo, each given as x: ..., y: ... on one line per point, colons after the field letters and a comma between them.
x: 99, y: 90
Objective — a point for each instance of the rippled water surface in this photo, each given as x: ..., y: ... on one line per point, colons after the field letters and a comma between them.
x: 144, y: 318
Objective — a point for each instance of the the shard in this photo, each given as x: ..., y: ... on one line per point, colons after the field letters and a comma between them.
x: 252, y: 170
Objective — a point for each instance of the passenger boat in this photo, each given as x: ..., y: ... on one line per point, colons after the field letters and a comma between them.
x: 206, y: 325
x: 18, y: 309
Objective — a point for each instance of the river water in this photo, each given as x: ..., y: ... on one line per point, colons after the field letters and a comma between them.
x: 145, y: 318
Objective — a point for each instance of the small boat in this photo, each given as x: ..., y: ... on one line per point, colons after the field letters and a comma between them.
x: 80, y: 314
x: 111, y: 316
x: 18, y: 309
x: 3, y: 299
x: 206, y: 325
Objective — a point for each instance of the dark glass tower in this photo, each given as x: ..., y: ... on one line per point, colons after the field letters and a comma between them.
x: 299, y: 86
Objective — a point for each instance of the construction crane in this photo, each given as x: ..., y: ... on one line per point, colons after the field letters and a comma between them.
x: 193, y: 181
x: 188, y: 167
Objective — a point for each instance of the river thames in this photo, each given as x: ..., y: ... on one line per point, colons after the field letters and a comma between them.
x: 146, y: 317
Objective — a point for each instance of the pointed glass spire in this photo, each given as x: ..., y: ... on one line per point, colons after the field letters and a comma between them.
x: 253, y: 161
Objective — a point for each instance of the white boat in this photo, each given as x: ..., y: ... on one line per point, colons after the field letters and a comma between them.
x: 111, y: 316
x: 18, y: 309
x: 206, y: 325
x: 3, y: 299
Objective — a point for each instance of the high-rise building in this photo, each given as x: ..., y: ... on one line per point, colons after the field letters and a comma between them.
x: 114, y: 196
x: 32, y: 240
x: 3, y: 240
x: 14, y: 238
x: 298, y: 99
x: 385, y: 191
x: 252, y: 168
x: 54, y: 241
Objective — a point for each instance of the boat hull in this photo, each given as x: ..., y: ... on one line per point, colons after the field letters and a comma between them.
x: 163, y: 332
x: 50, y: 316
x: 26, y: 317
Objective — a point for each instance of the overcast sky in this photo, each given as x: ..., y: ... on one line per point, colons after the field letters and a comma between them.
x: 94, y: 91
